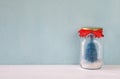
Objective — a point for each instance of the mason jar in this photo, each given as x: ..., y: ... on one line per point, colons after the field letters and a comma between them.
x: 91, y: 56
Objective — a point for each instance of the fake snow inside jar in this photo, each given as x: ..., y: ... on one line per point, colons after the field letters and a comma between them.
x: 91, y: 56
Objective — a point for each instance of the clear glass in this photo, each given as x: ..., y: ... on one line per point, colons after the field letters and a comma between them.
x: 91, y: 52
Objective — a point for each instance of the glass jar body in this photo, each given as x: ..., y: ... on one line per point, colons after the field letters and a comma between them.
x: 91, y: 52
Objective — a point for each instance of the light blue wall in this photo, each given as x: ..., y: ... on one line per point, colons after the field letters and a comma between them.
x: 45, y: 31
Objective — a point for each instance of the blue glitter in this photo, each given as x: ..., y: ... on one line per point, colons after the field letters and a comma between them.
x: 91, y: 51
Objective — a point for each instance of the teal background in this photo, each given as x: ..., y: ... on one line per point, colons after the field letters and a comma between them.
x: 45, y: 31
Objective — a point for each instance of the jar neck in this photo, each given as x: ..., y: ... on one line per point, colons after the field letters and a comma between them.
x: 91, y: 37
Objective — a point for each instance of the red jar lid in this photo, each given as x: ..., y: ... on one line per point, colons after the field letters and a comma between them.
x: 97, y: 31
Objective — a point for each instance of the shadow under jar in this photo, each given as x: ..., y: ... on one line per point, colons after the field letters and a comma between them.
x: 91, y: 56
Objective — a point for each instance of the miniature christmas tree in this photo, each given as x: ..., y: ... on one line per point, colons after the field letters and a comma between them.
x: 91, y: 51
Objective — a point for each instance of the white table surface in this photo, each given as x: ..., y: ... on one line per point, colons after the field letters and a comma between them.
x: 57, y: 72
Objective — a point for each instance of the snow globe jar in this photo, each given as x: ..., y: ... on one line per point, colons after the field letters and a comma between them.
x: 91, y: 56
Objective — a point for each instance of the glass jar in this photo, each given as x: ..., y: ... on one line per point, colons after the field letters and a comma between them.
x: 91, y: 56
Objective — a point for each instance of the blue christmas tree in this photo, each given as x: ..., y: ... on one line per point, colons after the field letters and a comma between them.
x: 91, y: 51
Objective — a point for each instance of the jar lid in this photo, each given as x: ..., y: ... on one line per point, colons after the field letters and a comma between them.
x: 92, y: 28
x: 97, y: 31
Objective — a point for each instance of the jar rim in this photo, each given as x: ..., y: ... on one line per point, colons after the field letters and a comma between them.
x: 92, y: 28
